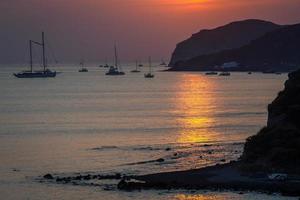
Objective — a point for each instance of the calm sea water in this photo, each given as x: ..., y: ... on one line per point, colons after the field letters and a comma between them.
x: 92, y: 123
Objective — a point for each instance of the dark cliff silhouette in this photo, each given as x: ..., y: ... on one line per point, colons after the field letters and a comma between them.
x: 278, y: 50
x: 277, y: 146
x: 230, y: 36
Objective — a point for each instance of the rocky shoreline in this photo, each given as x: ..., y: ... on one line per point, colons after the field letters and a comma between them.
x: 274, y: 150
x: 219, y: 177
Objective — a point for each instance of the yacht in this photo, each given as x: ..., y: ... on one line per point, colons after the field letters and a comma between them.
x: 149, y: 74
x: 136, y: 68
x: 45, y: 73
x: 82, y: 68
x: 115, y: 70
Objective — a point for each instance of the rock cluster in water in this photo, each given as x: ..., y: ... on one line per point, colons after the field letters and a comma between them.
x: 277, y: 146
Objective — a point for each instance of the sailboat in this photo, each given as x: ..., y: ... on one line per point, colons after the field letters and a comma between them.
x: 136, y: 68
x: 115, y: 70
x: 106, y: 65
x: 83, y: 69
x: 149, y: 74
x: 45, y: 73
x: 163, y: 63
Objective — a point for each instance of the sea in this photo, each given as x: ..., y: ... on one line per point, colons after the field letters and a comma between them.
x: 89, y: 123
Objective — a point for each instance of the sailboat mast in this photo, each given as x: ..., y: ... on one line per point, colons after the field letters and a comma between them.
x: 136, y: 65
x: 150, y: 65
x: 44, y: 51
x: 116, y: 57
x: 30, y: 52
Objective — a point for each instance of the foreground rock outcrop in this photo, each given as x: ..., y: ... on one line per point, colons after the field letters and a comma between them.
x: 274, y: 150
x: 277, y: 146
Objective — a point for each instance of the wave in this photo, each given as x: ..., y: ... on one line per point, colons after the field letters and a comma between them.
x: 104, y: 148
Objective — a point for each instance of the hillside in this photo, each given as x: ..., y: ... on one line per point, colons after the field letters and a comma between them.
x: 277, y: 50
x: 230, y: 36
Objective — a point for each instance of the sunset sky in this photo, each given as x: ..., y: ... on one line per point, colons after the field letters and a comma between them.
x: 88, y: 28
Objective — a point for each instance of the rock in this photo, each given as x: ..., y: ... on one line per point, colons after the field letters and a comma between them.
x: 130, y: 185
x: 160, y: 160
x: 78, y: 178
x: 87, y: 177
x: 48, y: 176
x: 276, y: 148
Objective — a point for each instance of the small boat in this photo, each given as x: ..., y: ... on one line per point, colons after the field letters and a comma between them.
x: 45, y: 73
x: 141, y: 65
x: 211, y: 73
x: 163, y: 63
x: 115, y: 70
x: 82, y: 68
x: 106, y: 65
x: 224, y: 74
x: 249, y: 73
x: 136, y: 68
x: 149, y: 74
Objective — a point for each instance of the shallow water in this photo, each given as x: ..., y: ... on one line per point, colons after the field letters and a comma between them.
x: 92, y: 123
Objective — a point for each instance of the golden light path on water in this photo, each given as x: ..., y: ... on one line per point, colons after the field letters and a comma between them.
x: 195, y: 104
x: 196, y: 197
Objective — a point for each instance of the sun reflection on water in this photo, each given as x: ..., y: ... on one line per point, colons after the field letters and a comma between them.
x: 195, y: 105
x: 197, y: 197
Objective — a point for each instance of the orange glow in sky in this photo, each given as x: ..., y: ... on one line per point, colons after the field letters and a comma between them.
x: 88, y: 28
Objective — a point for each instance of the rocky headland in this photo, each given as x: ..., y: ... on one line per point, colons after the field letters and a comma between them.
x: 270, y: 48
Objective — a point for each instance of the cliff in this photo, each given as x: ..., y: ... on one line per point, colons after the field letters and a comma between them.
x: 230, y: 36
x: 277, y: 146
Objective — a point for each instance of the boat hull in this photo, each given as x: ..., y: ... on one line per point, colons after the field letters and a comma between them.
x: 36, y: 75
x: 115, y: 74
x: 149, y: 75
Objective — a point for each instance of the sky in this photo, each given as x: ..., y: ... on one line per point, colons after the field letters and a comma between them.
x: 88, y: 29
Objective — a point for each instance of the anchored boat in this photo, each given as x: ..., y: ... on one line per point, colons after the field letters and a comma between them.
x: 149, y: 74
x: 115, y: 70
x: 45, y: 73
